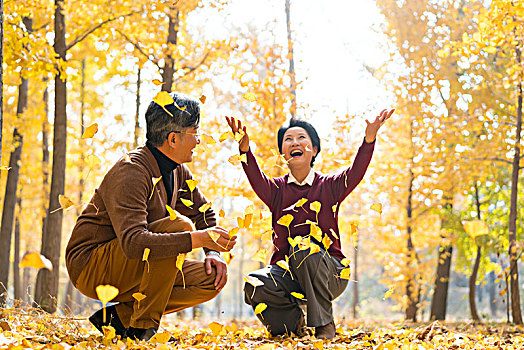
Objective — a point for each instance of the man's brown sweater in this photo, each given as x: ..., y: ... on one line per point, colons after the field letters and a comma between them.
x: 125, y: 203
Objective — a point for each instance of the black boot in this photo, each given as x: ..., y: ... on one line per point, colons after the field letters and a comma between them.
x: 140, y: 333
x: 112, y: 319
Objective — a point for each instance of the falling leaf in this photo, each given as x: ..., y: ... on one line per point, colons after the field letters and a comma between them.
x: 315, y: 206
x: 186, y: 202
x: 216, y: 328
x: 210, y: 140
x: 179, y: 264
x: 4, y: 168
x: 157, y: 82
x: 389, y: 293
x: 255, y: 282
x: 377, y: 207
x: 36, y: 260
x: 318, y: 344
x: 285, y: 265
x: 106, y: 293
x: 333, y: 233
x: 298, y: 295
x: 65, y: 202
x: 261, y: 255
x: 475, y: 228
x: 139, y: 297
x: 145, y: 256
x: 345, y: 273
x: 239, y: 135
x: 228, y: 257
x: 237, y: 158
x: 155, y: 181
x: 233, y: 232
x: 326, y: 242
x: 294, y: 241
x: 285, y: 220
x: 315, y: 232
x: 334, y: 208
x: 260, y: 308
x: 222, y: 213
x: 249, y: 96
x: 172, y: 213
x: 226, y: 135
x: 346, y: 262
x: 204, y: 207
x: 163, y: 99
x: 202, y: 99
x: 90, y: 131
x: 191, y: 184
x: 214, y: 235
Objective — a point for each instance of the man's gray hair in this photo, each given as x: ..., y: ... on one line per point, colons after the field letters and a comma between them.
x: 185, y: 113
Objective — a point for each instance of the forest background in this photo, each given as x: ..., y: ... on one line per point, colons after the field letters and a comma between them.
x: 433, y: 232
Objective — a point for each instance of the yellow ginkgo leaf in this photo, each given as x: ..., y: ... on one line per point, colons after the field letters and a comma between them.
x: 204, y: 207
x: 260, y: 308
x: 377, y: 207
x: 298, y: 295
x: 160, y: 338
x: 228, y: 257
x: 389, y: 293
x: 109, y: 332
x: 243, y: 158
x: 65, y: 202
x: 36, y: 260
x: 172, y: 213
x: 93, y: 161
x: 90, y: 131
x: 4, y: 168
x: 300, y: 203
x: 157, y: 82
x: 106, y: 293
x: 346, y: 262
x: 155, y: 181
x: 318, y: 344
x: 202, y: 99
x: 239, y: 135
x: 139, y: 297
x: 210, y: 140
x: 240, y: 222
x: 345, y: 273
x: 255, y: 282
x: 315, y: 232
x: 191, y: 184
x: 226, y: 135
x: 249, y: 96
x: 315, y: 206
x: 294, y: 241
x: 475, y: 228
x: 163, y: 99
x: 285, y: 265
x: 179, y: 264
x: 237, y: 158
x: 186, y: 202
x: 326, y: 242
x: 214, y: 235
x: 334, y: 208
x: 261, y: 255
x: 333, y: 233
x: 233, y: 232
x: 285, y: 220
x: 145, y: 256
x: 222, y: 213
x: 216, y: 328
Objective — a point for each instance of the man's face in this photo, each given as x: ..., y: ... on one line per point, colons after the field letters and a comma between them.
x: 185, y: 143
x: 297, y: 147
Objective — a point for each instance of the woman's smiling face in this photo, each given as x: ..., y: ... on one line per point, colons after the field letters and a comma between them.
x: 297, y: 147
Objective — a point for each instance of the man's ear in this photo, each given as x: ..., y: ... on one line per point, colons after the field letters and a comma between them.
x: 315, y: 151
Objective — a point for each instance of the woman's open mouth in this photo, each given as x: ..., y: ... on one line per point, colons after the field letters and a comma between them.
x: 296, y: 153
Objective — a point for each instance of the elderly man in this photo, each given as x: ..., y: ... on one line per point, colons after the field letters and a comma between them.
x: 140, y: 220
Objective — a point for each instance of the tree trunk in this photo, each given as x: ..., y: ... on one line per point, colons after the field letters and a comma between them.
x: 16, y: 260
x: 68, y: 306
x: 45, y: 156
x: 355, y: 281
x: 475, y: 270
x: 440, y: 292
x: 137, y: 114
x: 169, y: 66
x: 291, y: 61
x: 47, y: 281
x: 10, y: 197
x: 492, y: 293
x: 513, y: 258
x: 411, y: 290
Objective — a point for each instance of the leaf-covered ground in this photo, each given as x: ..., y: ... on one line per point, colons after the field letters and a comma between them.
x: 30, y: 329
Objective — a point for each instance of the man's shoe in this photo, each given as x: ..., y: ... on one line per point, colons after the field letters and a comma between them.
x: 140, y: 333
x: 112, y: 319
x: 327, y: 331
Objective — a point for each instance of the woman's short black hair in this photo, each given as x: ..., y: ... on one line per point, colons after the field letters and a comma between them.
x: 310, y: 129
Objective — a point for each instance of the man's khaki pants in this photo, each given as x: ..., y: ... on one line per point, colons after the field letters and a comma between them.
x: 158, y: 279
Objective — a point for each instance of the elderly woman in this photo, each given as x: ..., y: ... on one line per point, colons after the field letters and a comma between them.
x: 313, y: 271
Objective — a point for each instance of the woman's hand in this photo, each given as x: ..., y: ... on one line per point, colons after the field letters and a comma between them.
x: 235, y: 126
x: 372, y: 127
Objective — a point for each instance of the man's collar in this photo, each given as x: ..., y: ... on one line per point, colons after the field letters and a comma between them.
x: 165, y: 163
x: 307, y: 181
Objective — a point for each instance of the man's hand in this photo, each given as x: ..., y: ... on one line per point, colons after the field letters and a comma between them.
x: 213, y: 259
x: 372, y: 127
x: 236, y: 125
x: 215, y: 238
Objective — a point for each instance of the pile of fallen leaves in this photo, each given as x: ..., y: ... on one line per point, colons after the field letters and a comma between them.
x: 31, y: 328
